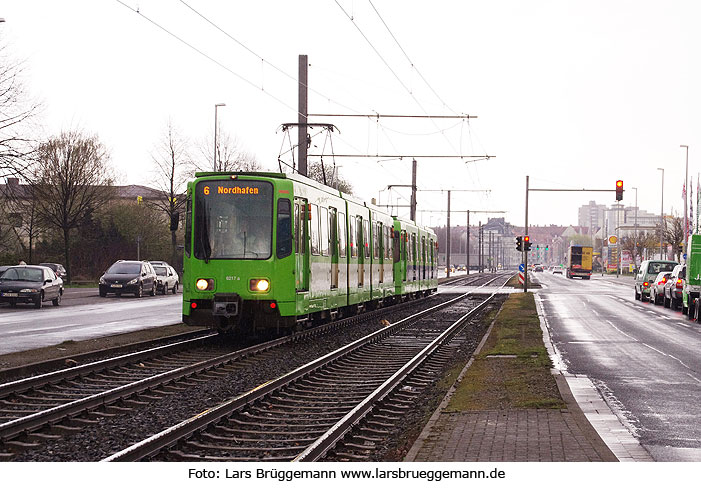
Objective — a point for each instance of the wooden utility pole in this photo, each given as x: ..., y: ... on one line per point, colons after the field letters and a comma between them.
x: 302, y: 138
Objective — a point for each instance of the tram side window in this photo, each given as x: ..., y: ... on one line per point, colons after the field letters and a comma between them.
x: 324, y: 236
x: 284, y: 228
x: 341, y: 234
x: 365, y: 238
x: 314, y: 223
x: 188, y: 225
x: 359, y: 235
x: 353, y: 238
x: 376, y: 239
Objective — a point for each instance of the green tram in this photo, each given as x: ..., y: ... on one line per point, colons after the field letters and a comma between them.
x: 270, y: 250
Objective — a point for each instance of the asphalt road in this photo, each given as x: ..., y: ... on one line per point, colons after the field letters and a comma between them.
x: 644, y: 359
x: 83, y: 315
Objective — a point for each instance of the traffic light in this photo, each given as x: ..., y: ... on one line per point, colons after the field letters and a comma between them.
x: 527, y: 243
x: 619, y: 190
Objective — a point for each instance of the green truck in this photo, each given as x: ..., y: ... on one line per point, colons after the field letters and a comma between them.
x: 692, y: 283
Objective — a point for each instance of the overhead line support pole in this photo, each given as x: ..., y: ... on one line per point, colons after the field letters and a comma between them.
x: 302, y: 140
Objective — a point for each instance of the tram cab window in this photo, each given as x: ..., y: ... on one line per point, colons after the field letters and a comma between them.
x: 284, y: 228
x: 233, y: 219
x: 188, y: 224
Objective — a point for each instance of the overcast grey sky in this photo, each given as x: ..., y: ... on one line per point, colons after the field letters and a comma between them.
x: 574, y: 94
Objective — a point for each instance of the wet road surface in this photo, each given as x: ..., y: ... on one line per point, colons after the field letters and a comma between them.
x: 644, y: 359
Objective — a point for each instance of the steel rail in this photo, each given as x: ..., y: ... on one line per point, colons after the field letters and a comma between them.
x: 329, y: 439
x: 172, y: 435
x: 17, y: 386
x: 33, y: 422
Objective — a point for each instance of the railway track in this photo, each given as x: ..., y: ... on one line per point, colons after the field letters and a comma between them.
x: 49, y: 405
x: 306, y: 413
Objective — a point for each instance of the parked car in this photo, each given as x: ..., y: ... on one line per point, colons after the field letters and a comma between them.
x: 30, y: 284
x: 647, y: 274
x: 59, y: 269
x: 674, y: 289
x: 657, y: 287
x: 166, y: 278
x: 128, y: 276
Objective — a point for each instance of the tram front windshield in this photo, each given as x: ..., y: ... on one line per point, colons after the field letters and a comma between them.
x: 233, y: 219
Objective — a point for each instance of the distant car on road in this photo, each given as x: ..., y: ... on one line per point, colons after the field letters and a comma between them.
x: 59, y: 269
x: 30, y: 284
x: 557, y: 270
x: 128, y: 276
x: 166, y: 278
x: 657, y: 287
x: 674, y: 289
x: 538, y: 268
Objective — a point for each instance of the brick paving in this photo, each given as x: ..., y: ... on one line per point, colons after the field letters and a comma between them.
x: 520, y: 435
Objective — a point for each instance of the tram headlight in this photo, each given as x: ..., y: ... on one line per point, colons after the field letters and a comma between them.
x: 204, y: 284
x: 259, y: 285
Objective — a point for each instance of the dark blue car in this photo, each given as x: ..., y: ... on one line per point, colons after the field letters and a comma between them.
x: 30, y: 284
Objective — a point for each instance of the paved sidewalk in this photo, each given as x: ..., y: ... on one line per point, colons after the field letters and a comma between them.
x: 585, y: 431
x: 520, y: 435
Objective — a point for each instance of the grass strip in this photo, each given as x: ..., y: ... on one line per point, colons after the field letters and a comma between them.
x: 513, y: 369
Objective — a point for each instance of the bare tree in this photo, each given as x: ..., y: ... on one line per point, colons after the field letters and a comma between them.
x: 172, y: 165
x: 71, y: 180
x: 16, y: 115
x: 21, y: 217
x: 229, y: 156
x: 328, y: 175
x: 674, y: 235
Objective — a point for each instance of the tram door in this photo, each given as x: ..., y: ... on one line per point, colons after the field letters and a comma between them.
x: 333, y: 238
x: 361, y: 249
x: 302, y: 213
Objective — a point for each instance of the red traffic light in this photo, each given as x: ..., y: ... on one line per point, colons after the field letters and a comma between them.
x: 526, y: 238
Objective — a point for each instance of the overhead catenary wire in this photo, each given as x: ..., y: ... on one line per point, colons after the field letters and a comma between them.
x: 262, y: 59
x: 208, y: 57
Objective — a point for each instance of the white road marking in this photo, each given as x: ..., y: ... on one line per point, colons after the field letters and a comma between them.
x: 656, y: 350
x: 699, y: 381
x: 595, y: 312
x: 619, y: 330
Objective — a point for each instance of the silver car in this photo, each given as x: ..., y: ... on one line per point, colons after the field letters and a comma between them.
x: 657, y: 287
x: 166, y: 278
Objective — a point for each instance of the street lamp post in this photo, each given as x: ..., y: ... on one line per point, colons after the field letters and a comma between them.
x: 635, y: 226
x: 686, y: 191
x: 662, y: 215
x: 216, y: 131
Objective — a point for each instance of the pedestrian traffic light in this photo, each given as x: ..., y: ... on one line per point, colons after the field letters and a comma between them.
x: 519, y: 243
x: 619, y: 190
x: 527, y: 243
